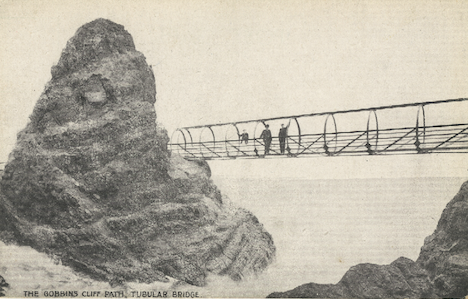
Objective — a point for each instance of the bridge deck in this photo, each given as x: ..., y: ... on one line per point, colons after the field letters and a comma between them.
x: 437, y: 139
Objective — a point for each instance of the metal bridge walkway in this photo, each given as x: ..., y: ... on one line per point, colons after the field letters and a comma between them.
x: 416, y: 128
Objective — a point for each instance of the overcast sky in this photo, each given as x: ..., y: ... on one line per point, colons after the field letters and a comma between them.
x: 219, y: 61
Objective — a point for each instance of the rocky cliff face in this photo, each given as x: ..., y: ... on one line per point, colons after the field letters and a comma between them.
x: 92, y: 183
x: 445, y: 252
x: 440, y: 271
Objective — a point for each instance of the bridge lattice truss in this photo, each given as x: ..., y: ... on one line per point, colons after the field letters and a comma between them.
x: 224, y: 141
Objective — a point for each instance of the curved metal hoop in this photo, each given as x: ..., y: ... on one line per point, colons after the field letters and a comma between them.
x: 299, y: 136
x: 418, y: 141
x: 202, y: 144
x: 325, y: 144
x: 172, y: 140
x: 368, y: 144
x: 226, y: 141
x: 190, y: 135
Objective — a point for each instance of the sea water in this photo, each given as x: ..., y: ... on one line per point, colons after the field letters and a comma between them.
x: 323, y: 227
x: 320, y: 228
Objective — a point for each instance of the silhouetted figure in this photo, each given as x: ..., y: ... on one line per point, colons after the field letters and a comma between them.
x: 244, y: 137
x: 266, y: 136
x: 283, y: 134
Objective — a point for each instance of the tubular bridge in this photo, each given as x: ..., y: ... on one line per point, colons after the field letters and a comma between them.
x: 415, y: 128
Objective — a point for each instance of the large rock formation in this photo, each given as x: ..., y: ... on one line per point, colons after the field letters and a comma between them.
x: 92, y: 183
x: 445, y: 252
x: 441, y: 269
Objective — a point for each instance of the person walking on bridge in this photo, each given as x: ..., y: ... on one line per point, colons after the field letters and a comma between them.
x: 283, y: 134
x: 266, y: 136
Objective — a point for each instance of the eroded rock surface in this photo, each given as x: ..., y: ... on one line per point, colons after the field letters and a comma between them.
x: 441, y: 270
x: 91, y: 182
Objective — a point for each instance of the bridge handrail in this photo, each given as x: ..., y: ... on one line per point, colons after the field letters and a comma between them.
x: 332, y: 112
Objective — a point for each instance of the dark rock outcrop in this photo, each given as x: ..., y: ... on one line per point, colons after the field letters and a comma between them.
x: 441, y: 269
x: 3, y: 285
x: 91, y: 182
x: 401, y: 279
x: 445, y: 252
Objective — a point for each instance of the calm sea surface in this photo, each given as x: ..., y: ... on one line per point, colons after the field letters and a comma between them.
x: 320, y: 229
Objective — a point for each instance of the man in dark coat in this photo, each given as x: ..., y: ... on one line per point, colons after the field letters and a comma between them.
x: 266, y: 136
x: 283, y: 134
